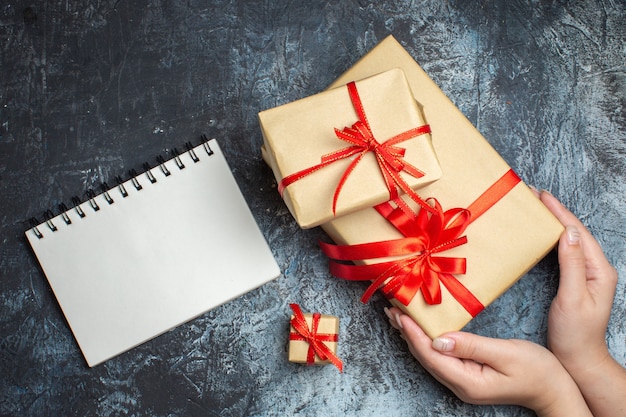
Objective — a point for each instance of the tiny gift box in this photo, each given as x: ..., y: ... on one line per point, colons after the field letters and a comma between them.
x: 484, y: 231
x: 348, y: 148
x: 313, y: 338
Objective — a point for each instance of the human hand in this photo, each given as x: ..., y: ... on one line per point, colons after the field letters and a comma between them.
x: 481, y: 370
x: 580, y: 312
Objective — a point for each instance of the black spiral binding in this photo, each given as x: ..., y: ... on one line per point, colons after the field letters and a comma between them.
x: 48, y: 215
x: 105, y: 192
x: 63, y: 209
x: 133, y: 178
x: 91, y: 195
x: 76, y: 201
x: 120, y: 186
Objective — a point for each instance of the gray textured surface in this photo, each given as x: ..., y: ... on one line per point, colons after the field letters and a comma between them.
x: 91, y: 89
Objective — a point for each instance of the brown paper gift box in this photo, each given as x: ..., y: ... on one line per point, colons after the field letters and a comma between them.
x: 297, y: 134
x: 503, y: 244
x: 298, y: 349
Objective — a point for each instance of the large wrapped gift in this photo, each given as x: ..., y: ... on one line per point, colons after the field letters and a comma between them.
x: 348, y: 148
x: 487, y: 228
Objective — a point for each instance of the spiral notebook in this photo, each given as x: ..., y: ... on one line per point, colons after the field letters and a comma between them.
x: 152, y: 253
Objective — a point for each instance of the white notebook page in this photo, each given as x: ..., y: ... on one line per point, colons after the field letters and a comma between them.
x: 155, y: 259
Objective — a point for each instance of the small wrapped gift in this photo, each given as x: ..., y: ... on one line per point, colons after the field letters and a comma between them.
x: 487, y: 228
x: 313, y: 338
x: 348, y: 148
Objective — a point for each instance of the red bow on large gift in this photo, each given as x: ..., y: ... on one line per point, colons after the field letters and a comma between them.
x: 426, y: 236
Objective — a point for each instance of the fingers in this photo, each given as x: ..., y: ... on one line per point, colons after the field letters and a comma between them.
x: 393, y: 315
x: 567, y: 218
x: 437, y: 353
x: 419, y: 343
x: 456, y: 360
x: 477, y: 369
x: 445, y: 369
x: 456, y: 344
x: 484, y: 350
x: 572, y: 262
x: 445, y: 356
x: 597, y: 266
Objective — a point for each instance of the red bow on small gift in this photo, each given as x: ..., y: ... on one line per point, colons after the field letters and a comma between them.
x: 313, y: 338
x: 389, y: 157
x: 425, y: 235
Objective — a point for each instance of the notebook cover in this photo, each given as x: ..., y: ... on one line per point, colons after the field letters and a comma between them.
x: 165, y: 254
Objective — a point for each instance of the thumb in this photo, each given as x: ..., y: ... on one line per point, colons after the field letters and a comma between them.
x: 470, y: 346
x: 572, y: 263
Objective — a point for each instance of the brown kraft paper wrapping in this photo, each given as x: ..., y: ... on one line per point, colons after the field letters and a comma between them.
x: 298, y: 349
x: 503, y: 244
x: 296, y: 136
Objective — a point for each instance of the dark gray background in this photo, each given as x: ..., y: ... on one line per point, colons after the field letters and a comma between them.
x: 91, y: 89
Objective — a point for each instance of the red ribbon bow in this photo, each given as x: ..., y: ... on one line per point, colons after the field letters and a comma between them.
x: 425, y: 234
x: 389, y: 157
x: 313, y: 338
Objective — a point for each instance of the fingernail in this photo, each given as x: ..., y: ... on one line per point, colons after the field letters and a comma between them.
x: 398, y: 322
x: 573, y: 235
x: 388, y: 314
x: 546, y: 191
x: 443, y: 344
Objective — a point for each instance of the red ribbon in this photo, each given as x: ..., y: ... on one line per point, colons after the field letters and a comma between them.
x: 425, y: 234
x: 389, y: 157
x: 313, y: 338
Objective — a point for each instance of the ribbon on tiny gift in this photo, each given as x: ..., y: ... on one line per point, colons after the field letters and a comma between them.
x: 389, y: 157
x: 425, y: 234
x: 313, y: 338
